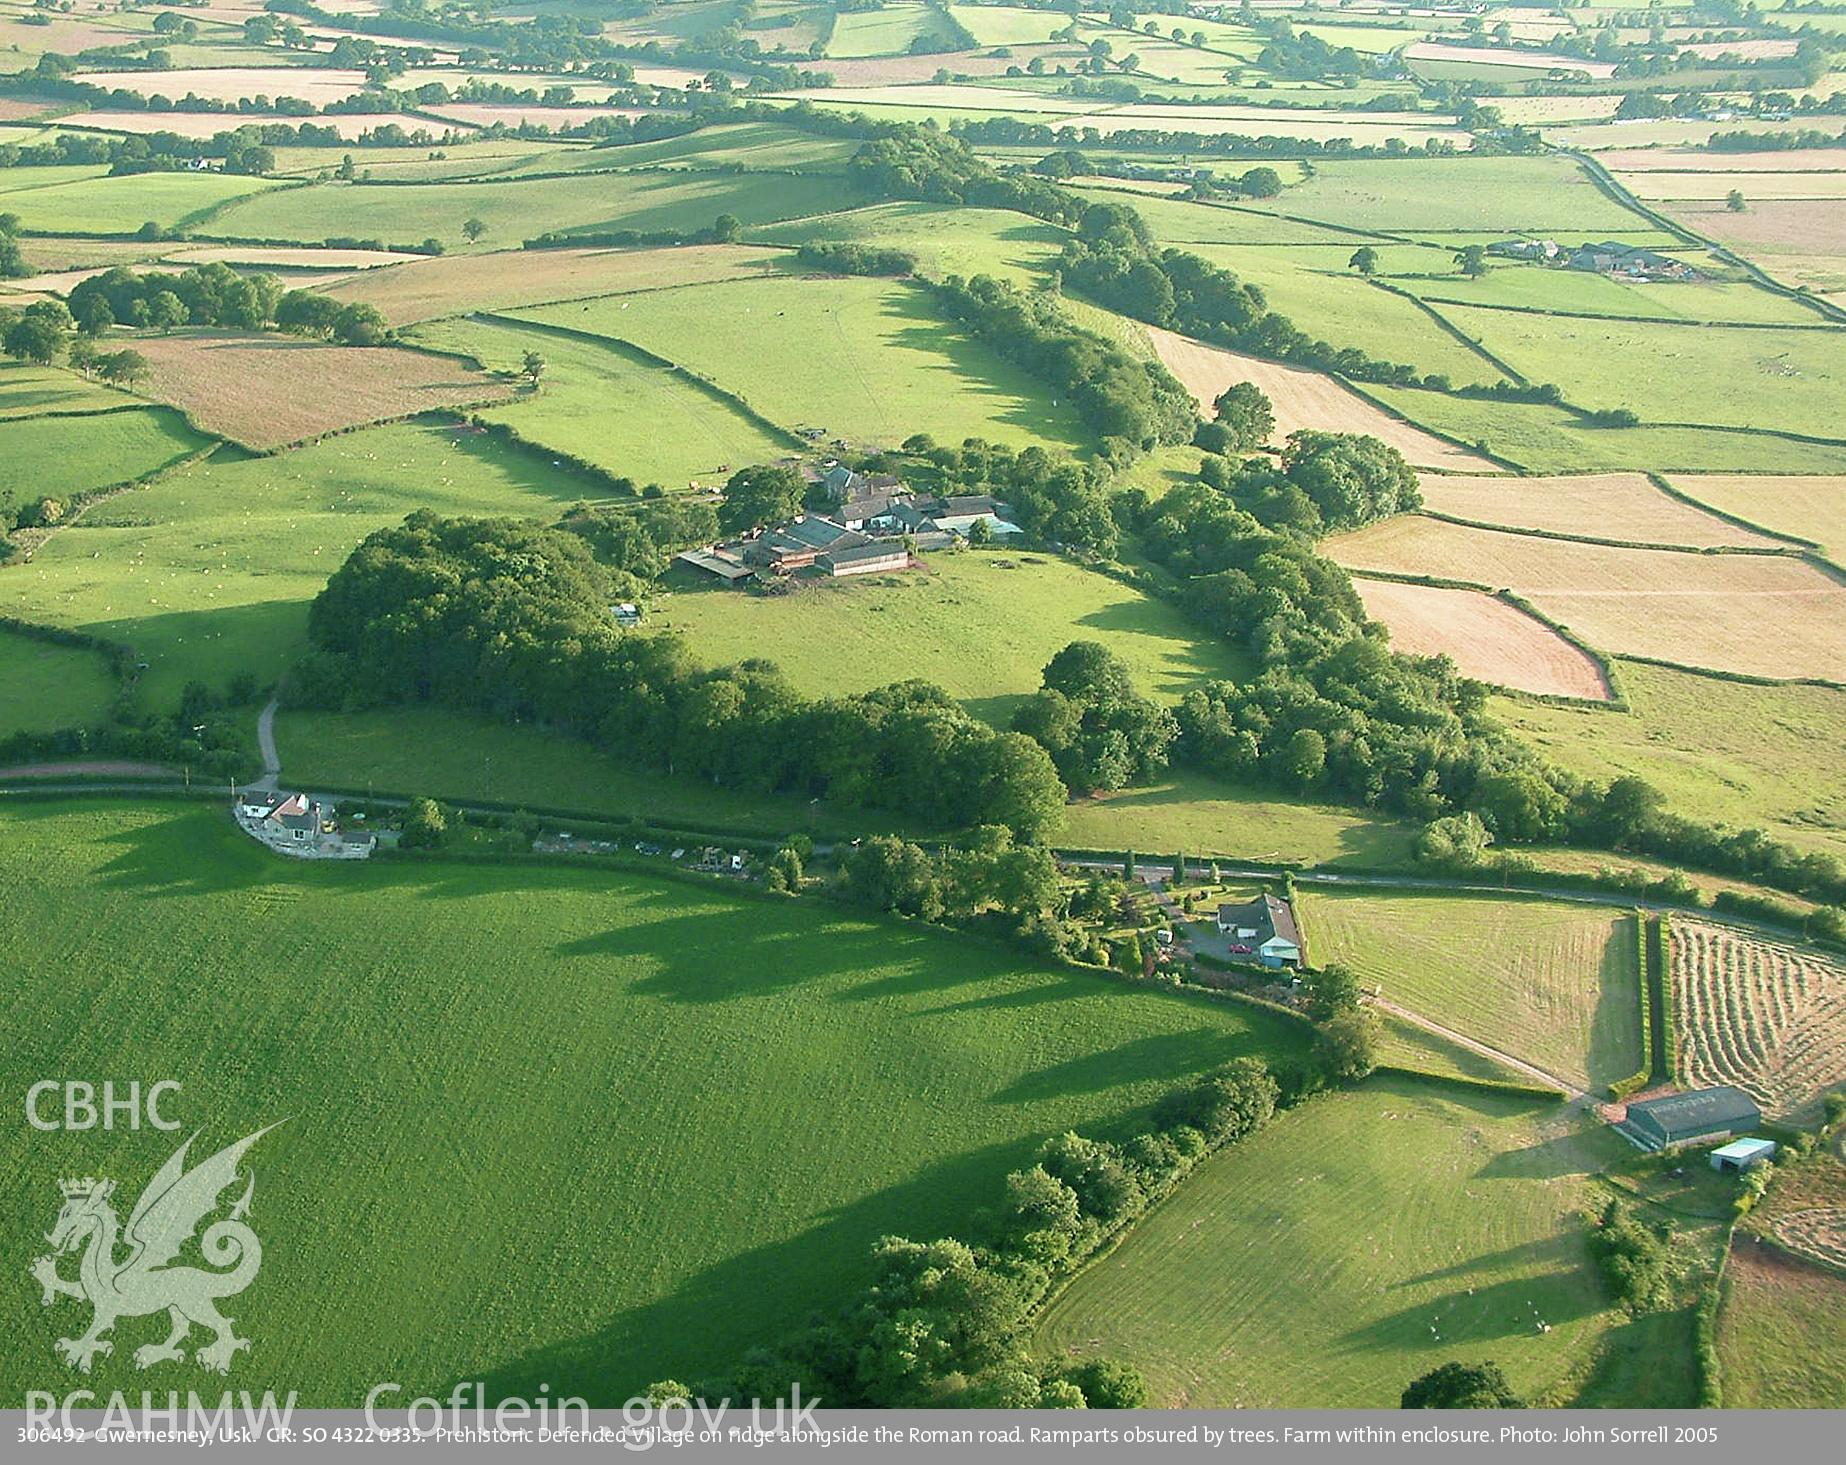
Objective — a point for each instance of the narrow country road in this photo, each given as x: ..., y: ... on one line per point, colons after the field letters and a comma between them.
x: 266, y: 746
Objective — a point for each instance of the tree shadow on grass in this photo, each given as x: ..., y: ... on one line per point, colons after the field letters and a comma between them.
x: 1564, y: 1154
x: 1508, y: 1309
x: 1177, y: 1054
x: 707, y: 1320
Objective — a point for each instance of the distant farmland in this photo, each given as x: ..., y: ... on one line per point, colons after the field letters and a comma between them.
x: 1600, y: 506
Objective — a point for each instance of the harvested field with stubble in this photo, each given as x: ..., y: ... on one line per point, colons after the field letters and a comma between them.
x: 266, y: 393
x: 1781, y: 1332
x: 1767, y: 1017
x: 1485, y: 637
x: 427, y: 289
x: 1622, y: 506
x: 1811, y: 507
x: 1303, y: 399
x: 1772, y: 616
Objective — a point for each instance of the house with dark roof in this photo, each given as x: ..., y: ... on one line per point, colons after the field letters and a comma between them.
x: 1672, y: 1120
x: 798, y: 543
x: 1266, y: 928
x: 1612, y: 258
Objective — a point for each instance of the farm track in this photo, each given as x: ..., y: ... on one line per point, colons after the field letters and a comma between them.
x: 1578, y: 1096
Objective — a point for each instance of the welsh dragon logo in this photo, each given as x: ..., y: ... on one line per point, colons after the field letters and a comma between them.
x: 145, y: 1281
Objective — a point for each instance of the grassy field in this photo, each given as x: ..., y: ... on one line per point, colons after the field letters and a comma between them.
x: 266, y: 392
x: 516, y: 211
x: 1532, y: 287
x: 581, y: 1069
x: 945, y: 239
x: 981, y: 624
x: 1781, y: 1332
x: 1391, y: 1267
x: 63, y: 456
x: 120, y: 205
x: 1762, y: 615
x: 1207, y: 816
x: 1553, y: 984
x: 1724, y: 752
x: 1767, y: 1017
x: 44, y: 687
x: 867, y: 360
x: 612, y: 406
x: 1747, y: 377
x: 209, y: 572
x: 458, y: 283
x: 27, y: 390
x: 1545, y: 439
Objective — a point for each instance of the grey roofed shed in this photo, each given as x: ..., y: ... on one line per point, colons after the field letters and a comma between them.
x: 1677, y: 1119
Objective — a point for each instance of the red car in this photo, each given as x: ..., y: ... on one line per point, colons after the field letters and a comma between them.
x: 1237, y: 948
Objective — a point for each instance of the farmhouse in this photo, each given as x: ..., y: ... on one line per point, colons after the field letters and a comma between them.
x: 1538, y: 251
x: 1682, y: 1119
x: 1265, y: 928
x: 1610, y: 258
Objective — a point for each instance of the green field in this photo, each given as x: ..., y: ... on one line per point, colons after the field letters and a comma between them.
x: 1545, y: 439
x: 45, y: 687
x: 1357, y: 1243
x: 545, y: 1124
x: 888, y: 30
x: 1781, y: 1332
x: 65, y: 456
x: 600, y: 203
x: 980, y: 623
x: 865, y: 359
x: 102, y: 205
x: 757, y: 145
x: 1747, y: 377
x: 209, y: 572
x: 946, y: 240
x: 611, y: 406
x: 1748, y: 756
x: 27, y: 390
x: 1533, y: 287
x: 1555, y: 985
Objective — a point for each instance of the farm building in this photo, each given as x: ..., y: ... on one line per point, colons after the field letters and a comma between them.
x: 1266, y: 926
x: 716, y: 560
x: 1742, y: 1154
x: 1611, y: 258
x: 1682, y: 1119
x: 865, y: 559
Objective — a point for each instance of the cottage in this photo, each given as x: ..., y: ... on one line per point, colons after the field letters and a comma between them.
x: 1742, y: 1154
x: 294, y: 818
x: 1682, y: 1119
x: 1266, y: 926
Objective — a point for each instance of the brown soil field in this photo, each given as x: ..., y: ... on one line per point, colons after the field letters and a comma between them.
x: 57, y: 282
x: 1599, y: 505
x: 233, y: 83
x: 1749, y: 50
x: 1485, y: 637
x: 1781, y: 1331
x: 1806, y: 507
x: 1524, y: 111
x: 1798, y: 241
x: 1763, y: 615
x: 286, y: 257
x: 1769, y: 1018
x: 265, y: 392
x: 452, y: 284
x: 1303, y: 398
x: 53, y: 255
x: 21, y: 109
x: 202, y: 125
x: 1757, y: 187
x: 1697, y: 160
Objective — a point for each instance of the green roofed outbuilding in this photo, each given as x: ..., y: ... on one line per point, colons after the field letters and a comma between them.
x: 1688, y: 1118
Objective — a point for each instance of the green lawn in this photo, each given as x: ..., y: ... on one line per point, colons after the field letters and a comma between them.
x: 1554, y: 984
x: 121, y: 205
x: 44, y: 687
x: 1355, y: 1244
x: 545, y: 1124
x: 209, y: 572
x: 63, y: 456
x: 981, y: 624
x: 613, y: 407
x: 516, y: 211
x: 1723, y: 752
x: 1545, y: 439
x: 868, y: 360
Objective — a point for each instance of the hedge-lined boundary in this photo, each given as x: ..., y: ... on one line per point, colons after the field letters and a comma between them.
x: 1476, y: 1085
x: 1449, y: 328
x: 1650, y: 1058
x: 1659, y: 481
x: 618, y: 345
x: 1660, y: 950
x: 1658, y: 546
x: 79, y: 504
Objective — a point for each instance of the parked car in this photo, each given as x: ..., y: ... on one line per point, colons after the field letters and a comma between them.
x: 1237, y: 948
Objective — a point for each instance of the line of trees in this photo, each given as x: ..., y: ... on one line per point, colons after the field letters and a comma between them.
x: 511, y: 619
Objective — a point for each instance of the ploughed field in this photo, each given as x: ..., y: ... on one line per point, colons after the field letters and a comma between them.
x: 545, y: 1124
